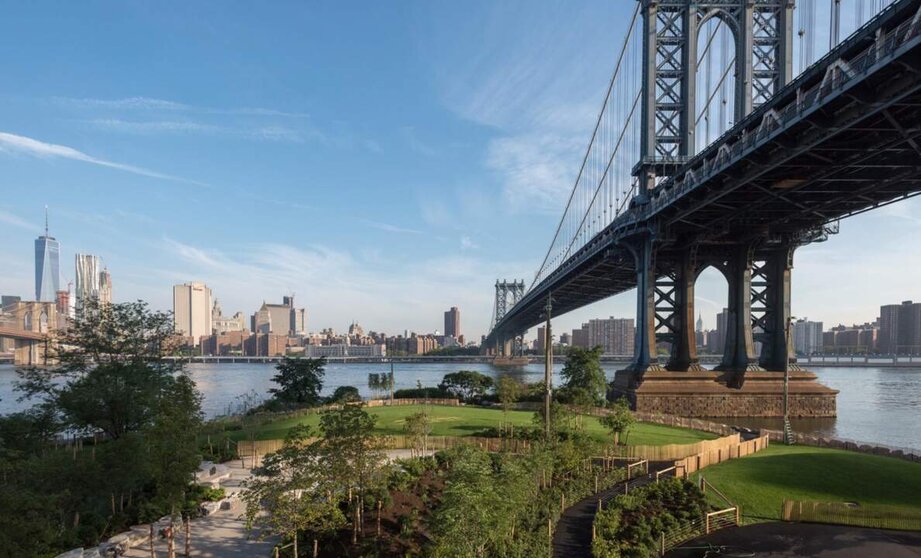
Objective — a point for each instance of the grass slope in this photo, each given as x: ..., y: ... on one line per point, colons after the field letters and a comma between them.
x: 760, y: 482
x: 467, y: 421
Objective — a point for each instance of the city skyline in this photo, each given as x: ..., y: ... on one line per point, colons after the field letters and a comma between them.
x: 174, y: 168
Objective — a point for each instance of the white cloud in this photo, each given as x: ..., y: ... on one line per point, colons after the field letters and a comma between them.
x: 390, y: 228
x: 13, y: 143
x: 537, y: 169
x: 150, y: 127
x: 152, y: 104
x: 467, y: 243
x: 8, y: 218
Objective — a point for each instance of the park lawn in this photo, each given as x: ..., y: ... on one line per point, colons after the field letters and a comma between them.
x: 467, y: 421
x: 759, y: 483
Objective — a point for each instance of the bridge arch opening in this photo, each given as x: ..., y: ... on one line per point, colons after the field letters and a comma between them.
x: 715, y: 94
x: 711, y: 293
x: 27, y: 321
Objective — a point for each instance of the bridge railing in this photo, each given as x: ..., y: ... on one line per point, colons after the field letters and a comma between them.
x: 746, y: 135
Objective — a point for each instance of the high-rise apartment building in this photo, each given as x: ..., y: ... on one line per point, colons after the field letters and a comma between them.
x: 717, y: 339
x: 808, y: 337
x: 900, y: 329
x: 192, y: 310
x: 452, y: 322
x: 47, y: 266
x: 93, y: 280
x: 540, y: 344
x: 614, y: 335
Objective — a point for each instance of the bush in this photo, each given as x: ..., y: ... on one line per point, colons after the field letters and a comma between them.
x: 421, y: 393
x: 633, y: 523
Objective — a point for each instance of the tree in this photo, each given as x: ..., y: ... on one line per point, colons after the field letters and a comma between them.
x: 345, y: 394
x: 299, y: 380
x: 418, y: 427
x: 619, y: 419
x: 508, y: 390
x: 111, y: 370
x: 352, y: 455
x: 173, y: 444
x: 291, y: 488
x: 584, y: 383
x: 466, y: 384
x: 380, y: 383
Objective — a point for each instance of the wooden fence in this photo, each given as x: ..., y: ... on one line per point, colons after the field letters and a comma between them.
x: 840, y: 513
x: 249, y: 448
x: 671, y: 452
x: 720, y: 453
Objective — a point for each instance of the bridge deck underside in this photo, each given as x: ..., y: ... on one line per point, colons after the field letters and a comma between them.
x: 856, y: 150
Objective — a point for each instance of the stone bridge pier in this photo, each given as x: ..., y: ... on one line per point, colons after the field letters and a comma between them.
x: 746, y: 382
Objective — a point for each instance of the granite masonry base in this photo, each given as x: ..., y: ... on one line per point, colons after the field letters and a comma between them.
x: 705, y: 394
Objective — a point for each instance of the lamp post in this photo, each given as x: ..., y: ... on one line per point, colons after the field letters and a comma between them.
x: 787, y: 430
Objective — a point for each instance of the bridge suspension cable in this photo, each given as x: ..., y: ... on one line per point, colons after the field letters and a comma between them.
x: 604, y: 180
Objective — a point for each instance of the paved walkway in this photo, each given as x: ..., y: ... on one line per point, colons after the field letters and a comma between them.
x: 573, y: 535
x: 789, y: 540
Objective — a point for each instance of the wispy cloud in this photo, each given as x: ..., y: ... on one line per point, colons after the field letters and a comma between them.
x: 412, y: 139
x: 537, y: 169
x: 16, y: 221
x: 467, y: 243
x: 263, y: 133
x: 13, y: 143
x: 390, y: 228
x: 152, y: 104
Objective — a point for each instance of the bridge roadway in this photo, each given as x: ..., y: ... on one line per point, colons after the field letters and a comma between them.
x: 840, y: 139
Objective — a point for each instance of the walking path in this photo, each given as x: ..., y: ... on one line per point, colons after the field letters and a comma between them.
x: 573, y: 535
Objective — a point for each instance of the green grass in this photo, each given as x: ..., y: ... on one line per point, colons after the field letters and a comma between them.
x: 759, y: 483
x: 467, y: 421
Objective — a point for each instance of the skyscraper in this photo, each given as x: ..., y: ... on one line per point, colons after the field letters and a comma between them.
x: 87, y: 272
x: 47, y: 267
x: 192, y: 310
x: 452, y: 322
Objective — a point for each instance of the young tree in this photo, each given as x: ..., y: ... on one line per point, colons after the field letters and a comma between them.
x: 418, y: 427
x: 508, y: 390
x: 299, y: 380
x: 584, y: 383
x: 466, y: 384
x: 173, y: 444
x: 351, y: 453
x: 288, y: 494
x: 619, y: 420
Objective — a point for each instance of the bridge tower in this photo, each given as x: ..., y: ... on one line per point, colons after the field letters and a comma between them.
x: 508, y: 293
x: 755, y: 271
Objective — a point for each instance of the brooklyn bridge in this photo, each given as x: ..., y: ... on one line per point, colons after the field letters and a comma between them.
x: 709, y: 151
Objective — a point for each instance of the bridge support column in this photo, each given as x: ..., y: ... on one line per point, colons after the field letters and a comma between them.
x: 644, y: 343
x: 777, y: 352
x: 739, y: 350
x: 684, y: 339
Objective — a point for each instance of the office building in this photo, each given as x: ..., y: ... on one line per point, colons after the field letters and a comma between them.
x: 281, y: 319
x: 452, y: 322
x: 47, y: 266
x: 540, y: 344
x: 808, y: 337
x: 192, y: 310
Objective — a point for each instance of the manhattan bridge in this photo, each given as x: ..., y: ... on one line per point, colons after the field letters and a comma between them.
x: 727, y: 139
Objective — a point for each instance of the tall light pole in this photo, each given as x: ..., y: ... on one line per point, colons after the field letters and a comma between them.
x: 548, y: 368
x: 787, y: 430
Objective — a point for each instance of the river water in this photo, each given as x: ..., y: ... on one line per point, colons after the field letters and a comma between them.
x: 875, y: 405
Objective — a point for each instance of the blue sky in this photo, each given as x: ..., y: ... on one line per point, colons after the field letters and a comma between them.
x: 382, y: 161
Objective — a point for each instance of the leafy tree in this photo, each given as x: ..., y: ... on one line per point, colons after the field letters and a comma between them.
x: 111, y: 370
x: 467, y: 385
x: 380, y: 383
x: 508, y: 390
x: 299, y: 380
x: 290, y: 487
x: 173, y: 444
x: 351, y: 453
x: 619, y: 420
x: 345, y: 394
x: 584, y: 384
x: 418, y: 427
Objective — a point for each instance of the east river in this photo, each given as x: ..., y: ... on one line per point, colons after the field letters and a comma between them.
x: 876, y: 405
